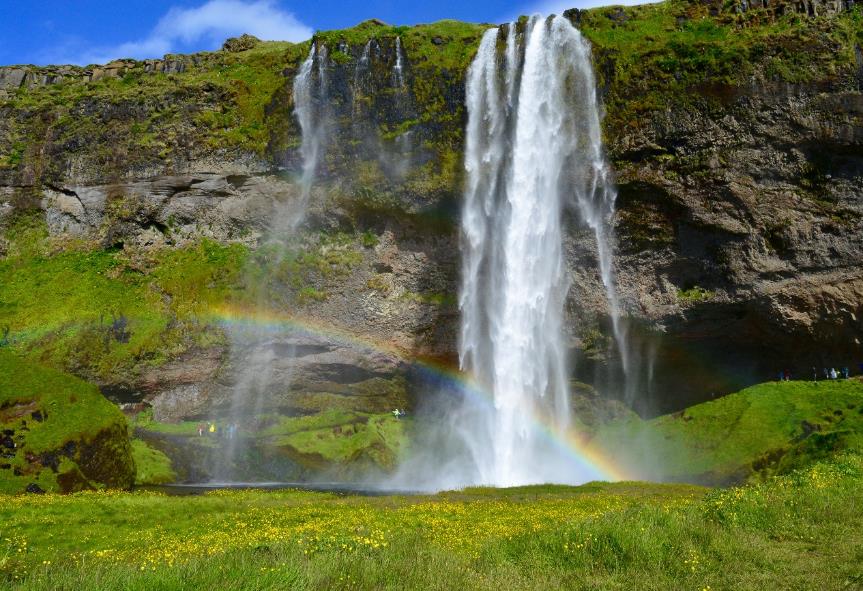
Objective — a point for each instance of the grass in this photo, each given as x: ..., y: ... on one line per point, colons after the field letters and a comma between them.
x: 796, y: 531
x: 106, y: 314
x: 52, y: 418
x: 763, y: 429
x: 226, y: 96
x: 152, y: 466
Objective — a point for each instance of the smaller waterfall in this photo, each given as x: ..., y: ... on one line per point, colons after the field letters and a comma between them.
x: 254, y: 349
x: 363, y: 64
x: 398, y: 68
x: 310, y: 85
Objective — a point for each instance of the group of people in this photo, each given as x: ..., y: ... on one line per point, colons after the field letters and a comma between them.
x: 398, y: 413
x: 831, y: 374
x: 212, y: 429
x: 827, y: 373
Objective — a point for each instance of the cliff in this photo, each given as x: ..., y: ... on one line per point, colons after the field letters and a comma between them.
x: 137, y: 198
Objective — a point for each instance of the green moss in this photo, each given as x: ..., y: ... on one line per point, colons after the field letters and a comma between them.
x: 339, y: 437
x: 153, y: 467
x: 430, y: 297
x: 694, y: 295
x: 144, y: 421
x: 13, y: 158
x: 310, y: 294
x: 369, y: 239
x: 61, y: 426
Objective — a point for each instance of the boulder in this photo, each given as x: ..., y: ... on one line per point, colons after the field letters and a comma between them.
x: 242, y: 43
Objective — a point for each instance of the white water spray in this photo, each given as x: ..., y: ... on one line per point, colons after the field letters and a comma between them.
x: 254, y: 350
x: 533, y: 147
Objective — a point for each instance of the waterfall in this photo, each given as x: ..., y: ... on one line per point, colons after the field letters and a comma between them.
x: 253, y: 349
x: 309, y: 98
x: 533, y: 149
x: 398, y: 68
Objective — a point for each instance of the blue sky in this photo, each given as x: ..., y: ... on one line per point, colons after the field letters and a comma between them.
x: 95, y: 31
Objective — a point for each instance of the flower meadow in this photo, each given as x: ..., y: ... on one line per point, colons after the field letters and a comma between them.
x: 801, y: 530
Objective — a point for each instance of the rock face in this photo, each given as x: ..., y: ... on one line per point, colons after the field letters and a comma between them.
x: 740, y: 241
x: 751, y: 252
x: 303, y: 375
x: 167, y: 210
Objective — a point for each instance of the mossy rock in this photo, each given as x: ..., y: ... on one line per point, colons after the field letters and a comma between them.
x: 58, y: 433
x: 339, y: 441
x: 152, y: 466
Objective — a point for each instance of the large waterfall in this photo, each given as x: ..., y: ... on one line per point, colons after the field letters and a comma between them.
x: 533, y: 150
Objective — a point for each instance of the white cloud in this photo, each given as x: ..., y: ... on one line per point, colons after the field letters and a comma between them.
x: 206, y: 27
x: 546, y: 7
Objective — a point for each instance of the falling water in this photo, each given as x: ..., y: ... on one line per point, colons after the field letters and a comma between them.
x: 309, y: 95
x: 253, y: 350
x: 533, y: 148
x: 398, y: 69
x: 363, y: 64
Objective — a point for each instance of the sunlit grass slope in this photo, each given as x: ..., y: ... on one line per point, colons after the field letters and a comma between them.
x: 801, y: 530
x: 768, y: 428
x: 105, y: 314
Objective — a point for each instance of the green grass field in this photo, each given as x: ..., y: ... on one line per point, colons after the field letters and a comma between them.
x: 799, y: 531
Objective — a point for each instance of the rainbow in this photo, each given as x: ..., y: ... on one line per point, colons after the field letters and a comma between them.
x: 589, y: 460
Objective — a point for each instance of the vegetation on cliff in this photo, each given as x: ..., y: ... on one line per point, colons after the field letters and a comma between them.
x: 237, y: 103
x: 108, y: 314
x: 663, y: 55
x: 105, y: 314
